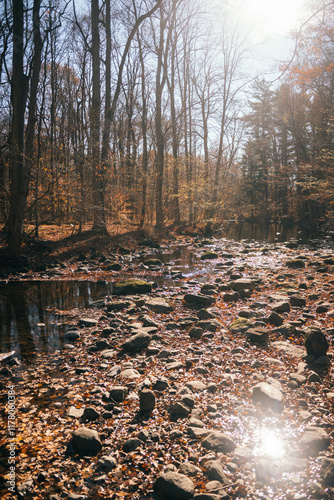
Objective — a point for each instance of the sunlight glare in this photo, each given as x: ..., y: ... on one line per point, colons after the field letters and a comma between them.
x: 271, y: 446
x: 271, y: 16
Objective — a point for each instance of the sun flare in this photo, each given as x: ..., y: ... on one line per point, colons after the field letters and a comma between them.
x: 270, y: 445
x: 272, y: 16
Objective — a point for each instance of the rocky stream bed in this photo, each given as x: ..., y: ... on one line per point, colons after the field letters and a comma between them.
x: 217, y: 385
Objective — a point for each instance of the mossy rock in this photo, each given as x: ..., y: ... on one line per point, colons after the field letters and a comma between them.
x: 209, y: 255
x: 295, y: 264
x: 131, y: 287
x: 241, y: 325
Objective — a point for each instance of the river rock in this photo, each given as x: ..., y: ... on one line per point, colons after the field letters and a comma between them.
x: 137, y: 342
x: 129, y: 374
x: 195, y: 333
x: 90, y: 414
x: 153, y: 262
x: 118, y: 305
x: 131, y: 444
x: 215, y: 472
x: 199, y: 299
x: 328, y: 473
x: 316, y: 343
x: 189, y: 469
x: 174, y: 486
x: 209, y: 325
x: 314, y: 439
x: 148, y: 322
x: 71, y: 336
x: 74, y: 412
x: 87, y: 322
x: 159, y: 305
x: 209, y: 255
x: 219, y: 442
x: 295, y: 264
x: 258, y: 334
x: 241, y: 325
x: 179, y: 410
x: 231, y: 296
x: 203, y: 314
x: 196, y: 385
x: 297, y: 300
x: 131, y: 287
x: 114, y: 267
x: 118, y: 393
x: 146, y: 400
x: 243, y: 284
x: 207, y: 496
x: 86, y: 441
x: 281, y: 307
x: 268, y: 395
x: 275, y: 319
x: 107, y: 462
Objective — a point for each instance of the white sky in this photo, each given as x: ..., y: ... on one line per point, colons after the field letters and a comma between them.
x: 269, y: 24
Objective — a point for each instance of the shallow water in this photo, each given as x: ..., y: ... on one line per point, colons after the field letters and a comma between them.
x: 33, y: 313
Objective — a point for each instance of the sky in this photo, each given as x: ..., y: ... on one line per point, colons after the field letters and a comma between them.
x: 269, y: 24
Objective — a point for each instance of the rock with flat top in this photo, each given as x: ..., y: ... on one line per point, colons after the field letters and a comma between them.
x: 174, y: 486
x: 218, y: 441
x: 86, y: 441
x: 268, y: 395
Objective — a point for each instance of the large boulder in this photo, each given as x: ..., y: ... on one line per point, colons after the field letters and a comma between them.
x: 315, y: 439
x: 131, y: 287
x: 86, y: 441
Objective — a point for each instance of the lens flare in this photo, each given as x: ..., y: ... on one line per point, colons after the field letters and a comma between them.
x: 270, y: 445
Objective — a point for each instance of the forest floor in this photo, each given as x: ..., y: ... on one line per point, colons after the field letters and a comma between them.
x: 197, y: 387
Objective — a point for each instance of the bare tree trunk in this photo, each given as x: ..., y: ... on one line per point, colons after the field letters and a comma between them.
x: 20, y: 175
x: 159, y: 158
x: 176, y: 205
x: 36, y: 67
x: 144, y: 132
x: 99, y: 224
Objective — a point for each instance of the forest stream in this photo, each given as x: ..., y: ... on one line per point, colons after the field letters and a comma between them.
x: 198, y: 370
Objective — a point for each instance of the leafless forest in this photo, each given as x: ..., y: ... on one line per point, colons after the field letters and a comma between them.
x: 148, y: 112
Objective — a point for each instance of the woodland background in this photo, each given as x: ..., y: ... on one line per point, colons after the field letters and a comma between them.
x: 149, y: 112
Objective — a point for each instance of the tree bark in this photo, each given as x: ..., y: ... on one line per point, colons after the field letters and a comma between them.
x: 20, y: 175
x: 99, y: 224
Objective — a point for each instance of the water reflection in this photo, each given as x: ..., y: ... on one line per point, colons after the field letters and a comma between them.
x: 263, y: 232
x: 27, y: 323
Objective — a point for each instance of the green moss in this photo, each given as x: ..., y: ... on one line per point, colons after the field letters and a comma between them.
x: 132, y: 286
x: 209, y: 255
x: 241, y: 325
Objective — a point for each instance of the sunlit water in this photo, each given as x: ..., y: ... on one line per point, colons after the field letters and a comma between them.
x: 269, y: 444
